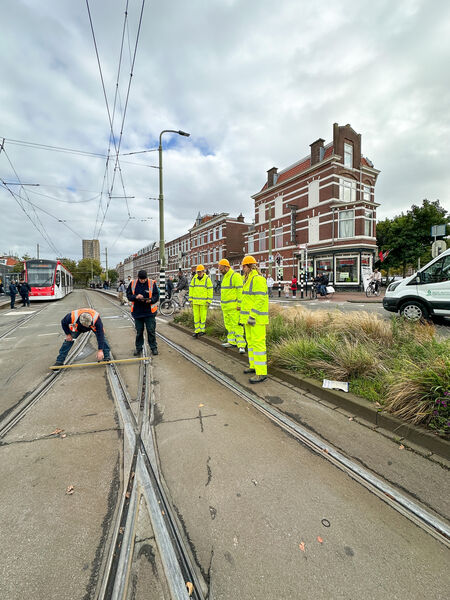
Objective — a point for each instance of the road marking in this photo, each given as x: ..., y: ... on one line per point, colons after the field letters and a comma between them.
x: 22, y: 312
x: 7, y: 339
x: 160, y: 320
x: 124, y: 326
x: 54, y: 333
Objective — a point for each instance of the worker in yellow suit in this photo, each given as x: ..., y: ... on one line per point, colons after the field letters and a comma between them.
x: 254, y: 316
x: 230, y: 302
x: 200, y: 296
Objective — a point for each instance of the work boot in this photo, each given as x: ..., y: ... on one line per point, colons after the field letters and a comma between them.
x: 249, y: 370
x: 228, y: 345
x: 58, y: 363
x: 258, y: 378
x: 241, y: 350
x: 195, y: 335
x: 201, y: 333
x: 155, y: 351
x: 137, y: 352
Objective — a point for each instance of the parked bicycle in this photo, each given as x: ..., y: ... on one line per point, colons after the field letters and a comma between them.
x: 170, y: 305
x: 372, y: 289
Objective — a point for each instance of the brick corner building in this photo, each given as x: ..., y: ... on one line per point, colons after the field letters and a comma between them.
x: 321, y: 213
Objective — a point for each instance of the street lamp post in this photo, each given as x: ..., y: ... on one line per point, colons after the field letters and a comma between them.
x: 162, y: 254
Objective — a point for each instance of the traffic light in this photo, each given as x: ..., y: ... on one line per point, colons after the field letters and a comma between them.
x: 278, y: 259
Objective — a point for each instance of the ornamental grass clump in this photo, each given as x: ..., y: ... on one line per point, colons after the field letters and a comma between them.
x: 348, y: 359
x: 420, y: 393
x: 297, y: 354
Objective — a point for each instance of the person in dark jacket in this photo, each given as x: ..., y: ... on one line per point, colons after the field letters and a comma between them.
x: 323, y: 282
x: 24, y: 291
x: 143, y: 293
x: 80, y: 321
x: 12, y: 293
x: 169, y: 287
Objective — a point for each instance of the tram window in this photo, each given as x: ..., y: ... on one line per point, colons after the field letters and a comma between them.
x: 63, y: 276
x: 58, y: 278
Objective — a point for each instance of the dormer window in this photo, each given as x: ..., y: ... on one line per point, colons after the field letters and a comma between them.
x: 348, y: 155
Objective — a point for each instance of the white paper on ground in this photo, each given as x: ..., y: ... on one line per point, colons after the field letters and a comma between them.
x: 335, y: 385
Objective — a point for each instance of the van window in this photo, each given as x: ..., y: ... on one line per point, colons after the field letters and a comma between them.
x: 437, y: 272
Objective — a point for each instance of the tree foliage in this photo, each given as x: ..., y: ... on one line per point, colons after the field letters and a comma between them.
x: 408, y: 236
x: 86, y: 268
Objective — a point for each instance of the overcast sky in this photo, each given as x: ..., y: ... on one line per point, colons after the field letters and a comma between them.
x: 253, y: 81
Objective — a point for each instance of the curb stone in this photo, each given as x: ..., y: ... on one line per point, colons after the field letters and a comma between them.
x: 359, y: 407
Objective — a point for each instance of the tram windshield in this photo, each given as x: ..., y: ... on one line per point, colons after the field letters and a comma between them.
x: 40, y: 274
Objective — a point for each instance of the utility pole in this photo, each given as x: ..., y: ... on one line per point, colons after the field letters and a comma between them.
x: 38, y: 251
x: 270, y: 240
x: 106, y: 259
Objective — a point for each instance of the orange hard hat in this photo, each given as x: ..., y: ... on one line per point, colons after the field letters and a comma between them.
x: 224, y: 262
x: 200, y: 268
x: 249, y: 260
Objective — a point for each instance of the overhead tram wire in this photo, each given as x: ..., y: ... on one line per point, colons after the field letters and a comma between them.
x: 40, y: 229
x: 109, y: 114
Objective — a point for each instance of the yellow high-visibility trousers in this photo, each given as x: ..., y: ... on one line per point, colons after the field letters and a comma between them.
x: 234, y: 328
x: 200, y: 311
x: 256, y: 344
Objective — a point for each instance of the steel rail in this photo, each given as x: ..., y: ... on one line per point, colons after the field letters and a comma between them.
x: 146, y: 482
x: 437, y: 527
x: 399, y: 501
x: 16, y: 413
x: 22, y: 322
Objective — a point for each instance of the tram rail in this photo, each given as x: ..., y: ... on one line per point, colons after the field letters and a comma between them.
x: 414, y: 511
x: 22, y: 322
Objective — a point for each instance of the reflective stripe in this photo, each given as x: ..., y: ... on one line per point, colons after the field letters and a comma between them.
x: 226, y: 301
x: 259, y: 353
x: 261, y: 364
x: 258, y: 312
x: 245, y: 312
x: 255, y: 293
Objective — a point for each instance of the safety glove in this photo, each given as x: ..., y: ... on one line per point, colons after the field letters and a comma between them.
x: 251, y: 321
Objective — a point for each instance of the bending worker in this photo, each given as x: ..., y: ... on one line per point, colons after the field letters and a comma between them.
x: 143, y: 293
x: 80, y: 321
x: 200, y: 296
x: 230, y: 302
x: 254, y: 315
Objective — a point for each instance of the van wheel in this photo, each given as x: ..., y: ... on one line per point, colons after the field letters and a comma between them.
x: 414, y: 311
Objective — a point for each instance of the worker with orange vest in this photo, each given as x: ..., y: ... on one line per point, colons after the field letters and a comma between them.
x: 81, y: 321
x: 143, y: 293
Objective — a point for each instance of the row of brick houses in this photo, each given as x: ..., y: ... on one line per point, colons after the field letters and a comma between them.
x: 316, y: 216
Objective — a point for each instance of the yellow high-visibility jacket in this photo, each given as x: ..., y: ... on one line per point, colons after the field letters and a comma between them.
x: 255, y: 299
x: 231, y: 290
x: 201, y: 290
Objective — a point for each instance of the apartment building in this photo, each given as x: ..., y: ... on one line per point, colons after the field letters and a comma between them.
x: 320, y: 212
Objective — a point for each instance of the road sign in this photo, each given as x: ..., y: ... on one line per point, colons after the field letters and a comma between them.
x: 438, y: 230
x: 271, y: 258
x: 438, y: 247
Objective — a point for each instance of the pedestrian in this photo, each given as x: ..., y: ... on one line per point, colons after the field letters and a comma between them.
x: 200, y: 296
x: 270, y: 284
x: 143, y: 293
x: 2, y: 291
x: 322, y: 283
x: 24, y: 291
x: 294, y: 286
x: 230, y: 302
x: 286, y: 289
x: 169, y: 287
x: 80, y: 321
x: 182, y: 287
x: 254, y: 316
x: 12, y: 293
x: 121, y: 289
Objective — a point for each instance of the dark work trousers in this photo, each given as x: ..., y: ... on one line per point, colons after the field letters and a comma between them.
x: 150, y: 324
x: 65, y: 348
x: 13, y: 300
x: 25, y: 300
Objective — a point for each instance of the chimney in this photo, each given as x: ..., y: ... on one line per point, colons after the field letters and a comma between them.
x: 317, y: 151
x: 272, y: 175
x: 240, y: 218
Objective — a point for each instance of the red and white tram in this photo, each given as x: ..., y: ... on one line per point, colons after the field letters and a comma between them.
x: 49, y: 279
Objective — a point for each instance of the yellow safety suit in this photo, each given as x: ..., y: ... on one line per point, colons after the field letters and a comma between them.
x: 200, y: 296
x: 230, y: 302
x: 255, y: 307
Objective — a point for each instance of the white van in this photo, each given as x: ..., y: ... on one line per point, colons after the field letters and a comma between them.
x: 425, y: 294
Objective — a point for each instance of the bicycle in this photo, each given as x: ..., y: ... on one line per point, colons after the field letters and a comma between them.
x: 372, y: 289
x: 169, y: 305
x: 313, y: 291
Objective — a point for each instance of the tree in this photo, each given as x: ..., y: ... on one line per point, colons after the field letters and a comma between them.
x: 86, y: 269
x: 113, y: 276
x: 69, y: 264
x: 408, y: 236
x: 18, y: 267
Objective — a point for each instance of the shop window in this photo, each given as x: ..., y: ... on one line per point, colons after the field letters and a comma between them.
x: 251, y: 244
x: 324, y: 266
x: 348, y: 155
x: 346, y: 223
x: 279, y: 237
x: 347, y: 192
x: 347, y: 270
